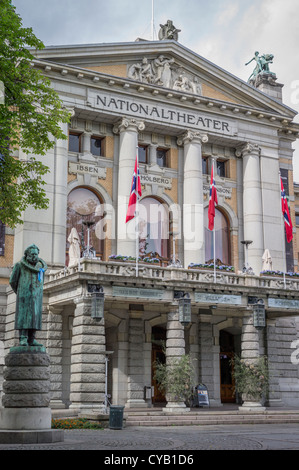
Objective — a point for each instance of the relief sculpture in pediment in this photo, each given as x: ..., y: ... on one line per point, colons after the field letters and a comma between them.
x: 162, y: 71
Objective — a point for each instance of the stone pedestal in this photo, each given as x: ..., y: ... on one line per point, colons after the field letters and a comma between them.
x: 26, y: 416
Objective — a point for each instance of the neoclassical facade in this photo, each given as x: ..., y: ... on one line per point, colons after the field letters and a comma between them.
x: 105, y: 323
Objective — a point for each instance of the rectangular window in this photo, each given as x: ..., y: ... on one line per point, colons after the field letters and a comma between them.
x: 162, y: 157
x: 96, y: 146
x: 74, y: 142
x: 297, y: 219
x: 205, y: 165
x: 221, y: 168
x: 142, y: 154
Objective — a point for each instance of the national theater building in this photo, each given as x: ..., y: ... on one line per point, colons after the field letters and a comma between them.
x: 104, y: 321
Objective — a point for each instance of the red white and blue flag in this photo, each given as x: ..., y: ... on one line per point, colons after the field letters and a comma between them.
x: 286, y: 214
x: 213, y: 201
x: 135, y: 193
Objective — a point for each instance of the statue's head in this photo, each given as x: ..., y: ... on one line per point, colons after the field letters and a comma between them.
x: 31, y: 254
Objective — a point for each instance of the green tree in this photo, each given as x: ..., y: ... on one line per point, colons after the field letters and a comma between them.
x: 30, y: 119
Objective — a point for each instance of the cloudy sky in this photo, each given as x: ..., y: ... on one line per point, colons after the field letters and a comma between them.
x: 226, y: 32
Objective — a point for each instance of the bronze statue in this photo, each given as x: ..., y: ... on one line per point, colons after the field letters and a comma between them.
x: 27, y: 280
x: 262, y: 64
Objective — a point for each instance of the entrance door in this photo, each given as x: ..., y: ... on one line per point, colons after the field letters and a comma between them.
x: 226, y: 377
x: 157, y: 355
x: 227, y: 381
x: 158, y: 339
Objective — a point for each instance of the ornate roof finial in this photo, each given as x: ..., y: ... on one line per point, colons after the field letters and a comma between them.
x: 168, y: 31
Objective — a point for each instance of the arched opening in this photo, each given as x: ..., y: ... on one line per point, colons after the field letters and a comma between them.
x: 153, y: 228
x: 222, y: 238
x: 84, y: 214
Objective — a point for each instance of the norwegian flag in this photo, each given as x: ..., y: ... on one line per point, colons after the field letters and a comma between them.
x: 213, y: 201
x: 286, y: 214
x: 135, y: 192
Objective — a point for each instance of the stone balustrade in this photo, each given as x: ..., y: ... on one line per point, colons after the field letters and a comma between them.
x: 150, y: 271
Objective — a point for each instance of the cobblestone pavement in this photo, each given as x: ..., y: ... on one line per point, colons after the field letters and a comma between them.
x: 180, y: 440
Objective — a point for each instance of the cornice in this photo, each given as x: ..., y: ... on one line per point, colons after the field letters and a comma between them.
x: 62, y: 72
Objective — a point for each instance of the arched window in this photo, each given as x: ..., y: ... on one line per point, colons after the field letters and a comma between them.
x: 153, y: 227
x: 84, y: 209
x: 222, y: 238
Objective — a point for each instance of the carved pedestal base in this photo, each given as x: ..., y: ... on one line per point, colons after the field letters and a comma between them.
x: 26, y: 416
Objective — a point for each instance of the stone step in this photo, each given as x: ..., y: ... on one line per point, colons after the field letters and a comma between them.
x: 156, y: 418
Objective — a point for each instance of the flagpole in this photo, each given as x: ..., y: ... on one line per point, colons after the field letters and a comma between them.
x: 214, y: 237
x: 283, y: 237
x: 137, y: 218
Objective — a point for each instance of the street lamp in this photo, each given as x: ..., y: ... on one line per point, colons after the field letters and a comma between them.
x: 184, y: 302
x: 259, y: 315
x: 247, y: 269
x: 89, y: 252
x: 97, y: 301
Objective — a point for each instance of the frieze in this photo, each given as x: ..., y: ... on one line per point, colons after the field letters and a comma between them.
x: 159, y: 112
x: 163, y: 71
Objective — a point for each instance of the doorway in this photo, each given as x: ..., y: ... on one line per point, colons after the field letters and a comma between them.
x: 158, y: 355
x: 227, y: 351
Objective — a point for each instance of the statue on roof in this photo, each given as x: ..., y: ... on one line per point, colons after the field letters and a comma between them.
x: 168, y: 31
x: 262, y: 66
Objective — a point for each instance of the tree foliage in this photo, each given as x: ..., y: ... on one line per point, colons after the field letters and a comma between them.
x: 30, y: 119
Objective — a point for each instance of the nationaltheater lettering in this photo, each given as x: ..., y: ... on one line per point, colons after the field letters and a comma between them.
x: 163, y: 113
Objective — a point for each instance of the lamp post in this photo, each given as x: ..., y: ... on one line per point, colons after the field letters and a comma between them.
x: 247, y: 269
x: 88, y: 252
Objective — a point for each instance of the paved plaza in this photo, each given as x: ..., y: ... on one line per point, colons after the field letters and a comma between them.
x: 176, y: 440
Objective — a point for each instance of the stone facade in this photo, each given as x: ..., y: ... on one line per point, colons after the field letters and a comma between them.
x: 196, y: 114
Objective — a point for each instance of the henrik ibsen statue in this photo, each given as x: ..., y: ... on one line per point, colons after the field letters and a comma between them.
x: 27, y: 281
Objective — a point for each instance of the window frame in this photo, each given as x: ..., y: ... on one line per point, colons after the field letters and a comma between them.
x: 101, y: 139
x: 166, y: 151
x: 79, y: 135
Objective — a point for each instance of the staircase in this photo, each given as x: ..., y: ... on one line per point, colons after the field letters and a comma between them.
x: 202, y: 417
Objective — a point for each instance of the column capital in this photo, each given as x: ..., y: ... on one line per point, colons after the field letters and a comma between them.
x: 247, y: 148
x: 129, y: 124
x: 192, y: 136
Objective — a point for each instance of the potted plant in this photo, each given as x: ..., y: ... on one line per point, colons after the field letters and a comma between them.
x: 251, y: 379
x: 175, y: 379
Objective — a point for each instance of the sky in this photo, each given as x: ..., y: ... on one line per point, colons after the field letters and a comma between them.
x: 226, y: 32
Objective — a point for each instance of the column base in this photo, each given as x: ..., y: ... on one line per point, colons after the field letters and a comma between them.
x: 252, y: 406
x: 175, y: 407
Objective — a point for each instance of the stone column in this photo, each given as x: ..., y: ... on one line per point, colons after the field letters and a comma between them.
x: 251, y: 350
x: 193, y: 212
x: 153, y: 154
x: 86, y: 143
x: 88, y: 359
x: 136, y: 362
x: 175, y: 349
x: 54, y: 348
x: 128, y: 142
x: 252, y: 204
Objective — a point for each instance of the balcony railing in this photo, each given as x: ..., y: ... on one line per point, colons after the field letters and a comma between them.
x: 114, y: 270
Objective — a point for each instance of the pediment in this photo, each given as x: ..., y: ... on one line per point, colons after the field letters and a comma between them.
x: 167, y: 65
